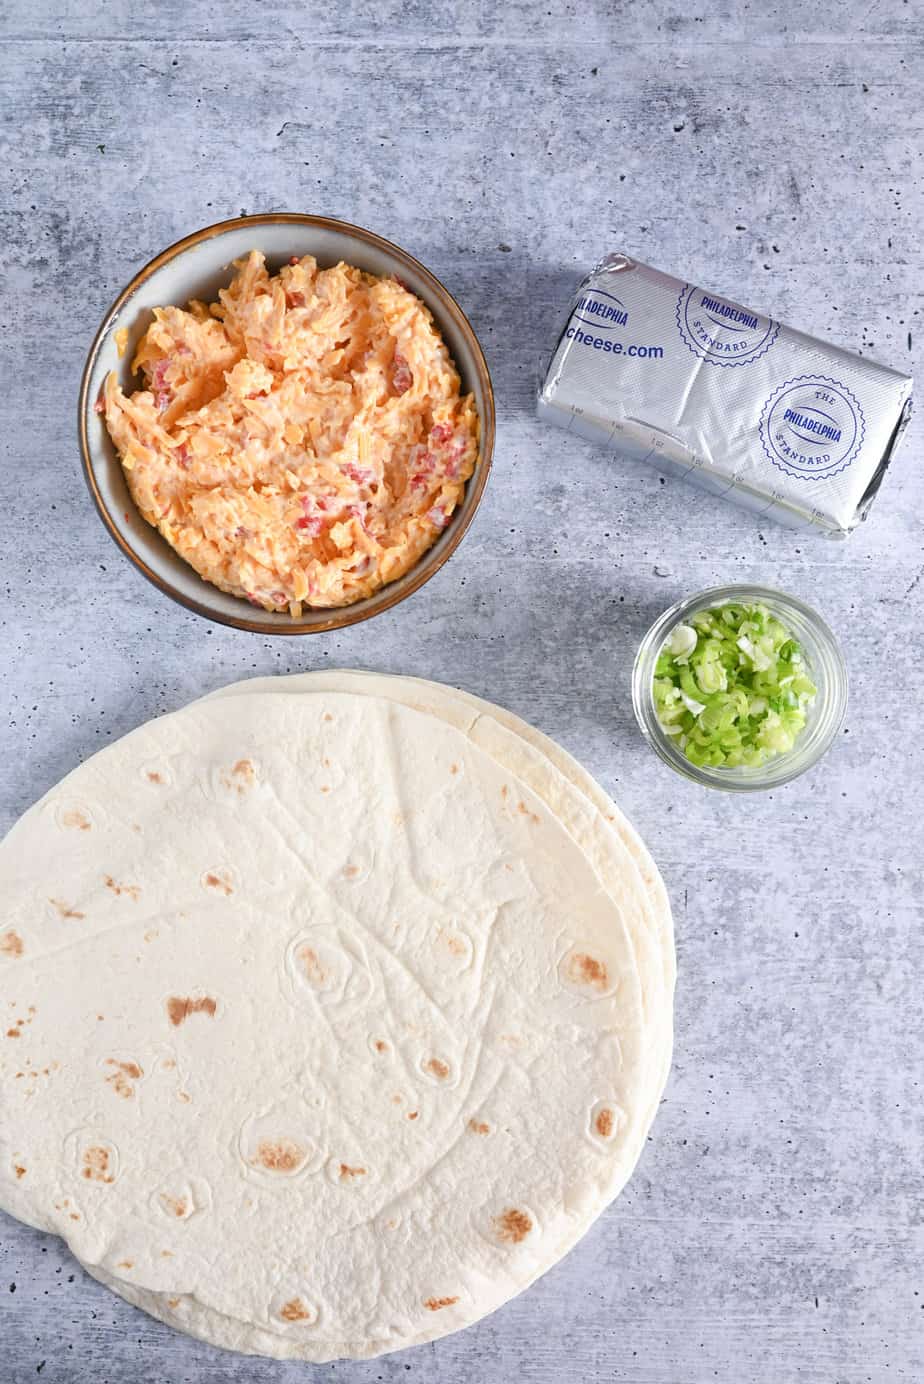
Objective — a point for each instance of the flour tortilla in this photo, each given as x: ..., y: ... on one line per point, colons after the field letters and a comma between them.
x: 505, y: 734
x: 569, y: 791
x: 449, y: 703
x: 428, y: 933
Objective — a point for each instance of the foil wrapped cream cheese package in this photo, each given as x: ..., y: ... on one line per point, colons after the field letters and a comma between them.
x: 734, y: 401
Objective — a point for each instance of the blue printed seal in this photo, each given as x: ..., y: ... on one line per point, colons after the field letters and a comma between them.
x: 721, y: 332
x: 812, y: 427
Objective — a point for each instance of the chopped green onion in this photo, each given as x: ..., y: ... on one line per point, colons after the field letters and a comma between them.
x: 731, y: 688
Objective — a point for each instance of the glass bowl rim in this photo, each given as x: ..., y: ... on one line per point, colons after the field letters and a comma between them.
x: 832, y: 683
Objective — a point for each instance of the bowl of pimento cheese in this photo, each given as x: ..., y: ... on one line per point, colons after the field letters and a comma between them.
x: 286, y: 423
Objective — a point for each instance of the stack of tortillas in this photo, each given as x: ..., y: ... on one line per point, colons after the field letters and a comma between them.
x: 333, y: 1010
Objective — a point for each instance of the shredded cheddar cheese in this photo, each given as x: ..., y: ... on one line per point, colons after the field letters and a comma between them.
x: 300, y: 442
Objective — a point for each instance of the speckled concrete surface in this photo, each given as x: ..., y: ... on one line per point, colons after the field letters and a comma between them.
x: 773, y: 1231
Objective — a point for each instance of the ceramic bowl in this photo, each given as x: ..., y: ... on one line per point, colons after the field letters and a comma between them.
x: 197, y: 267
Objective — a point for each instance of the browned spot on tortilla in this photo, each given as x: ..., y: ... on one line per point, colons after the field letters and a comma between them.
x: 479, y: 1127
x: 434, y: 1304
x: 168, y: 1064
x: 125, y: 1264
x: 65, y: 909
x: 327, y: 716
x: 351, y: 871
x: 19, y: 1170
x: 96, y: 1165
x: 412, y: 1115
x: 166, y: 1254
x: 279, y: 1155
x: 173, y: 1302
x: 381, y: 1045
x: 453, y: 768
x: 587, y: 970
x: 122, y: 1077
x: 175, y: 1205
x: 99, y: 1018
x: 221, y: 882
x: 14, y: 1033
x: 325, y: 787
x: 294, y: 1311
x: 154, y: 776
x: 184, y: 1096
x: 315, y: 972
x: 437, y: 1068
x: 74, y: 1216
x: 241, y: 776
x: 455, y: 944
x: 604, y: 1123
x: 512, y: 1226
x: 75, y: 820
x: 11, y: 944
x: 179, y: 1010
x: 504, y: 791
x: 346, y: 1172
x: 132, y: 890
x: 525, y: 812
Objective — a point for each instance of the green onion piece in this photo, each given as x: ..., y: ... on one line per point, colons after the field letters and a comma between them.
x: 731, y: 687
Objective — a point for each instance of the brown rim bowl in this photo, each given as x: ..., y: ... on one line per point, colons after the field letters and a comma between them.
x: 197, y: 267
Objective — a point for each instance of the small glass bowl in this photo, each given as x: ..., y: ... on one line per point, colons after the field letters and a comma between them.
x: 824, y: 664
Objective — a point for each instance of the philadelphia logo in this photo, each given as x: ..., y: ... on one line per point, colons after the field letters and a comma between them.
x: 720, y: 332
x: 812, y: 427
x: 601, y: 310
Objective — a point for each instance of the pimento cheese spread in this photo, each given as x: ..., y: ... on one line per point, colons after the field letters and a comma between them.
x: 302, y: 441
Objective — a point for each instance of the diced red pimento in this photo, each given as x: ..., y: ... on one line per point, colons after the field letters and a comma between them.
x: 182, y: 456
x: 424, y: 465
x: 99, y: 406
x: 294, y: 259
x: 161, y: 389
x: 312, y: 520
x: 441, y: 433
x: 438, y: 517
x: 402, y: 379
x: 294, y: 300
x: 360, y: 475
x: 454, y: 455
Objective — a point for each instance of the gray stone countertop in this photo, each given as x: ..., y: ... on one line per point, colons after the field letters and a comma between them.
x: 774, y: 152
